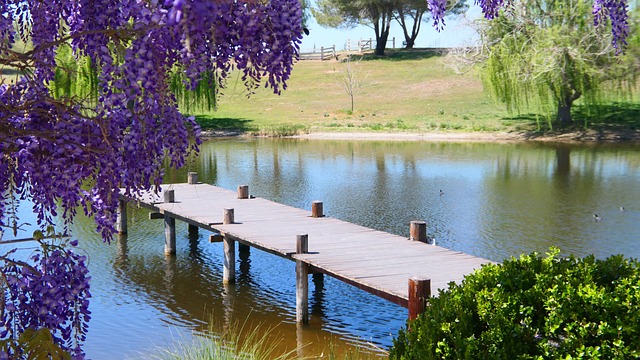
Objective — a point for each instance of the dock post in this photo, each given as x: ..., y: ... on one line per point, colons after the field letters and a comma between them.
x: 243, y: 191
x: 418, y: 231
x: 229, y: 264
x: 419, y: 294
x: 121, y: 221
x: 316, y: 209
x: 192, y: 178
x: 244, y: 250
x: 193, y: 230
x: 302, y: 281
x: 169, y: 226
x: 228, y: 216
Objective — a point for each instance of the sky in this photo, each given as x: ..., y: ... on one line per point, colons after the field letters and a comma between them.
x: 455, y: 33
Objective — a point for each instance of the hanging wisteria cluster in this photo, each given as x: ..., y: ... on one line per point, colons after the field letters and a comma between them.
x: 617, y: 12
x: 51, y: 291
x: 614, y: 10
x: 53, y: 146
x: 67, y: 152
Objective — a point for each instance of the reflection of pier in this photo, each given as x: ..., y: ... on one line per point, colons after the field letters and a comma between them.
x: 389, y: 266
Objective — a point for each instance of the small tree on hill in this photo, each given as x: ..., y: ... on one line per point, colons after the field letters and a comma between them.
x: 349, y: 79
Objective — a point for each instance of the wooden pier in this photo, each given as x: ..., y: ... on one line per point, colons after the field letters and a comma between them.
x: 401, y: 270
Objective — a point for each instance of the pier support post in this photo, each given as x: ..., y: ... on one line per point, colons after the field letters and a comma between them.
x: 302, y: 281
x: 316, y: 209
x: 193, y: 230
x: 418, y: 231
x: 169, y: 226
x: 229, y: 264
x: 192, y: 178
x: 229, y: 270
x: 243, y: 191
x: 244, y: 250
x: 121, y: 221
x: 419, y: 294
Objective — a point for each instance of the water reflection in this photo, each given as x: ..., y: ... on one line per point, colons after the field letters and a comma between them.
x: 499, y: 200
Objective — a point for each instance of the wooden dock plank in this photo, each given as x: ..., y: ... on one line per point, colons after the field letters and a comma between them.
x: 373, y: 260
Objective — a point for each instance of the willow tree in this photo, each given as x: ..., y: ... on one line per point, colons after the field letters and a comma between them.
x: 547, y: 54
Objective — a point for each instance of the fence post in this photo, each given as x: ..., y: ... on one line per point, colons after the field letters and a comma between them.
x: 322, y: 53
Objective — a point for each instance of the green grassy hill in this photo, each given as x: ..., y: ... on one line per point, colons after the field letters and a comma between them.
x: 410, y: 91
x: 406, y: 91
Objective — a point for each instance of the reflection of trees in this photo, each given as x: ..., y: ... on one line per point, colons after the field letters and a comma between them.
x: 535, y: 193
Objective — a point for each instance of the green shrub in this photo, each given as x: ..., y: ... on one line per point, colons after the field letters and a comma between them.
x: 532, y: 307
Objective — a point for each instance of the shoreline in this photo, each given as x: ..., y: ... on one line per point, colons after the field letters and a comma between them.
x: 585, y: 136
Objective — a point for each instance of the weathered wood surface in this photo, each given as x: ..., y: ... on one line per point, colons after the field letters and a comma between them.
x: 372, y: 260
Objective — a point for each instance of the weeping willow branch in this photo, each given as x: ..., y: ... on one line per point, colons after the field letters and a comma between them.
x: 202, y: 98
x: 547, y: 54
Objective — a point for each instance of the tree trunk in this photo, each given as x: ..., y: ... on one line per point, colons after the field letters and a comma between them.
x: 564, y: 113
x: 381, y: 27
x: 564, y: 107
x: 381, y: 42
x: 409, y: 43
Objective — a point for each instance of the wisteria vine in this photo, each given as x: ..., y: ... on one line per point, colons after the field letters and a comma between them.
x: 50, y: 291
x: 67, y: 152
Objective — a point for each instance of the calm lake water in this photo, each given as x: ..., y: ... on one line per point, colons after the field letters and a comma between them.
x: 499, y: 200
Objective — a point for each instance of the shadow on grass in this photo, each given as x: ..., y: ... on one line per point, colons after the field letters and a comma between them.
x: 618, y: 120
x: 212, y: 123
x: 619, y: 115
x: 404, y: 54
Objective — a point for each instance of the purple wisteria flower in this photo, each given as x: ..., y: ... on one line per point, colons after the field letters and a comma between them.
x: 65, y: 153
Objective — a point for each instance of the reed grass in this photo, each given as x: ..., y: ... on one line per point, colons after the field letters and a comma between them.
x: 249, y: 342
x: 229, y: 345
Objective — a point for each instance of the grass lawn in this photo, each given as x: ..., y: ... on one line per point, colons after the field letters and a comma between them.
x: 409, y: 91
x: 402, y: 92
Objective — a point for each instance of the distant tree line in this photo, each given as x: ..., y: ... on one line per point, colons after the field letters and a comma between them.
x: 379, y: 15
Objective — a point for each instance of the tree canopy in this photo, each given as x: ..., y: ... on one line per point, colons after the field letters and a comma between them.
x: 378, y: 14
x: 410, y: 13
x: 345, y: 13
x: 547, y: 54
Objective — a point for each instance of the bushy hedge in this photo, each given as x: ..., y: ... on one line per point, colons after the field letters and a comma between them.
x: 532, y: 307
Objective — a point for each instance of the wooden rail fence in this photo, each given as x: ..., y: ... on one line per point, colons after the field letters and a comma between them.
x: 392, y: 267
x: 325, y: 53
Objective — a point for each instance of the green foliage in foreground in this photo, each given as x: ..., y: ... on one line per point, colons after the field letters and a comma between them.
x: 533, y: 307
